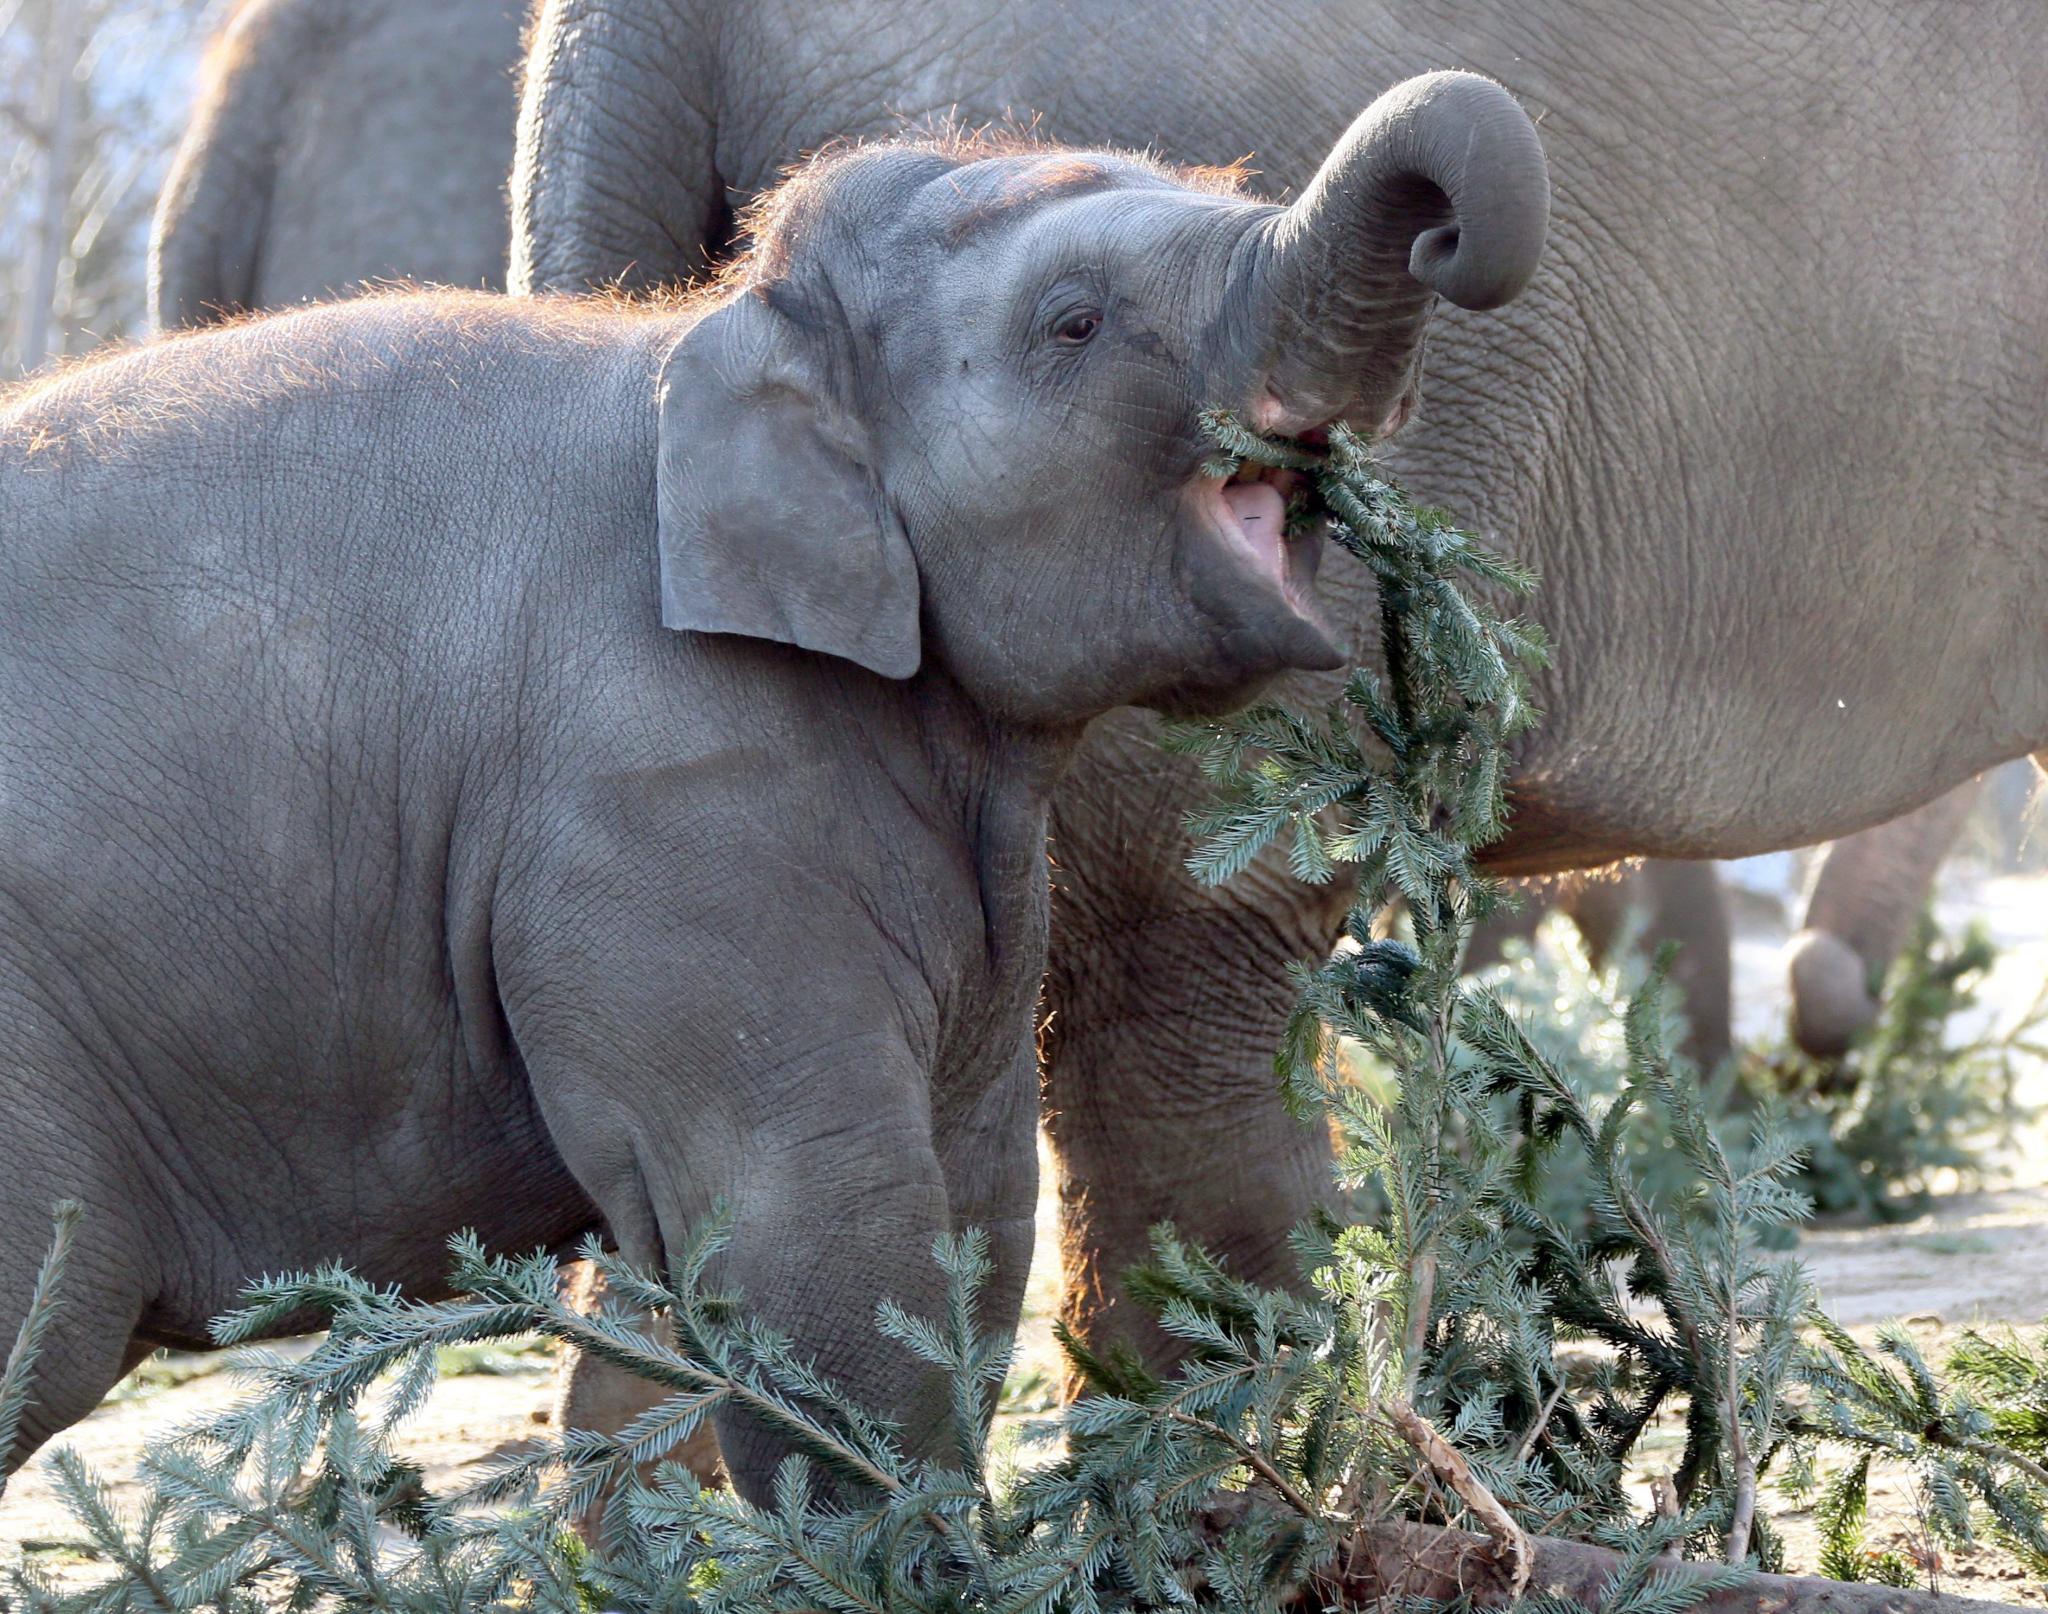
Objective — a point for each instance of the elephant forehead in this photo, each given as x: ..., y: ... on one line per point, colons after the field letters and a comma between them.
x: 987, y: 194
x: 965, y: 206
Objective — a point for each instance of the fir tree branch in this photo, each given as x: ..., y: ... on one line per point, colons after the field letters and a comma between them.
x: 17, y: 1377
x: 1541, y: 1422
x: 1991, y: 1452
x: 1254, y: 1459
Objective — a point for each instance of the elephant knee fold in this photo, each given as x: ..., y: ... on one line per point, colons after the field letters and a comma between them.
x: 1832, y: 1001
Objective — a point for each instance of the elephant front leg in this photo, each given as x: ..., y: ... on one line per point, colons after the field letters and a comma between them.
x: 1164, y: 1006
x: 990, y: 1156
x: 836, y: 1200
x: 990, y: 1168
x: 834, y: 1213
x: 835, y: 1195
x: 676, y: 1066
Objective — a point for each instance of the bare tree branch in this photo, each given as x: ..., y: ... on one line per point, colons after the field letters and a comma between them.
x: 24, y: 122
x: 1510, y: 1542
x: 64, y: 50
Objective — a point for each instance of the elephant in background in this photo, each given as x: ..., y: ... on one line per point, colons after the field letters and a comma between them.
x: 1861, y: 901
x: 337, y: 142
x: 1665, y: 900
x: 1755, y: 292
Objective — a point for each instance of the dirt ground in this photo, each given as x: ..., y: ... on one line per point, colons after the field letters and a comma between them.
x: 1974, y: 1258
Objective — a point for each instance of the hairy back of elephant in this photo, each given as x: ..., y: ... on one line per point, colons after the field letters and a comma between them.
x: 279, y: 598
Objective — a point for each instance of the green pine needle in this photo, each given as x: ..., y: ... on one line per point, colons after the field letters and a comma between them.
x: 17, y: 1377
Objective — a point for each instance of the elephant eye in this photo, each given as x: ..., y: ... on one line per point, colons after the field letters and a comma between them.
x: 1078, y: 328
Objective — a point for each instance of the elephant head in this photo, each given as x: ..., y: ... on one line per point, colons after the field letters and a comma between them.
x: 947, y: 408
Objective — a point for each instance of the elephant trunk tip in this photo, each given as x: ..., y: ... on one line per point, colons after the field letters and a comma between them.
x: 1438, y: 189
x: 1475, y: 142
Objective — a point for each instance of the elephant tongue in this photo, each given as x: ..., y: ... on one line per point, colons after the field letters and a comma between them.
x: 1261, y: 515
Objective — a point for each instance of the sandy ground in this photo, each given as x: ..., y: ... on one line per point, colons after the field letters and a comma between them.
x: 1974, y: 1258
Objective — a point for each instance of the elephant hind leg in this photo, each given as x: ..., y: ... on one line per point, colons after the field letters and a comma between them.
x: 1869, y: 890
x: 1675, y: 901
x: 1687, y: 905
x: 1165, y: 1004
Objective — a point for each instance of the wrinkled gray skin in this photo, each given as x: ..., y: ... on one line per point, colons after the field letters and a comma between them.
x: 1772, y: 422
x: 336, y: 142
x: 1865, y: 896
x: 378, y: 860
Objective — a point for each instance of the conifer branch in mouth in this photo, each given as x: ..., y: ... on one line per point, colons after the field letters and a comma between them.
x: 1288, y: 467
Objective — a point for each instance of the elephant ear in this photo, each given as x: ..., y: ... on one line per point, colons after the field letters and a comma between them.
x: 771, y: 523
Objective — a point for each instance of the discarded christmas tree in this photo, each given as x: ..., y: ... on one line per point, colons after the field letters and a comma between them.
x: 1482, y: 1282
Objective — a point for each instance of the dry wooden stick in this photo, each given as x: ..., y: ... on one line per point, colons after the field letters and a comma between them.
x: 1510, y: 1541
x: 1665, y: 1489
x: 1398, y: 1562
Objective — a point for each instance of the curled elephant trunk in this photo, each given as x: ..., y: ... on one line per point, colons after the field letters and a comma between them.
x: 1438, y: 189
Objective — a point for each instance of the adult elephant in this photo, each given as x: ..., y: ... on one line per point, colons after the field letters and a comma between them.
x: 1790, y: 241
x: 337, y: 142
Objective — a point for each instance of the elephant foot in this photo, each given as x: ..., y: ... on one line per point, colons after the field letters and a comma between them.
x: 1832, y: 1003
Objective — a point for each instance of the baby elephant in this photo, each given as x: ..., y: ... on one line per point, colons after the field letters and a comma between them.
x: 535, y: 765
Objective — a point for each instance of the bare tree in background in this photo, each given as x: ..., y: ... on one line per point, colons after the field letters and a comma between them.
x: 92, y: 96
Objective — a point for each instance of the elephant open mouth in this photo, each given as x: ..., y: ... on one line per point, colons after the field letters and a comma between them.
x: 1260, y: 511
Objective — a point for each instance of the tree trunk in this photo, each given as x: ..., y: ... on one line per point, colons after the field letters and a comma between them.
x: 1398, y: 1564
x: 41, y: 336
x: 1403, y: 1561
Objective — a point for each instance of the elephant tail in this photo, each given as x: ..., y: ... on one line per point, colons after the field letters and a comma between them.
x: 206, y: 242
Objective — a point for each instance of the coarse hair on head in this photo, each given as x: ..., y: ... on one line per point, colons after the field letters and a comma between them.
x: 778, y: 222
